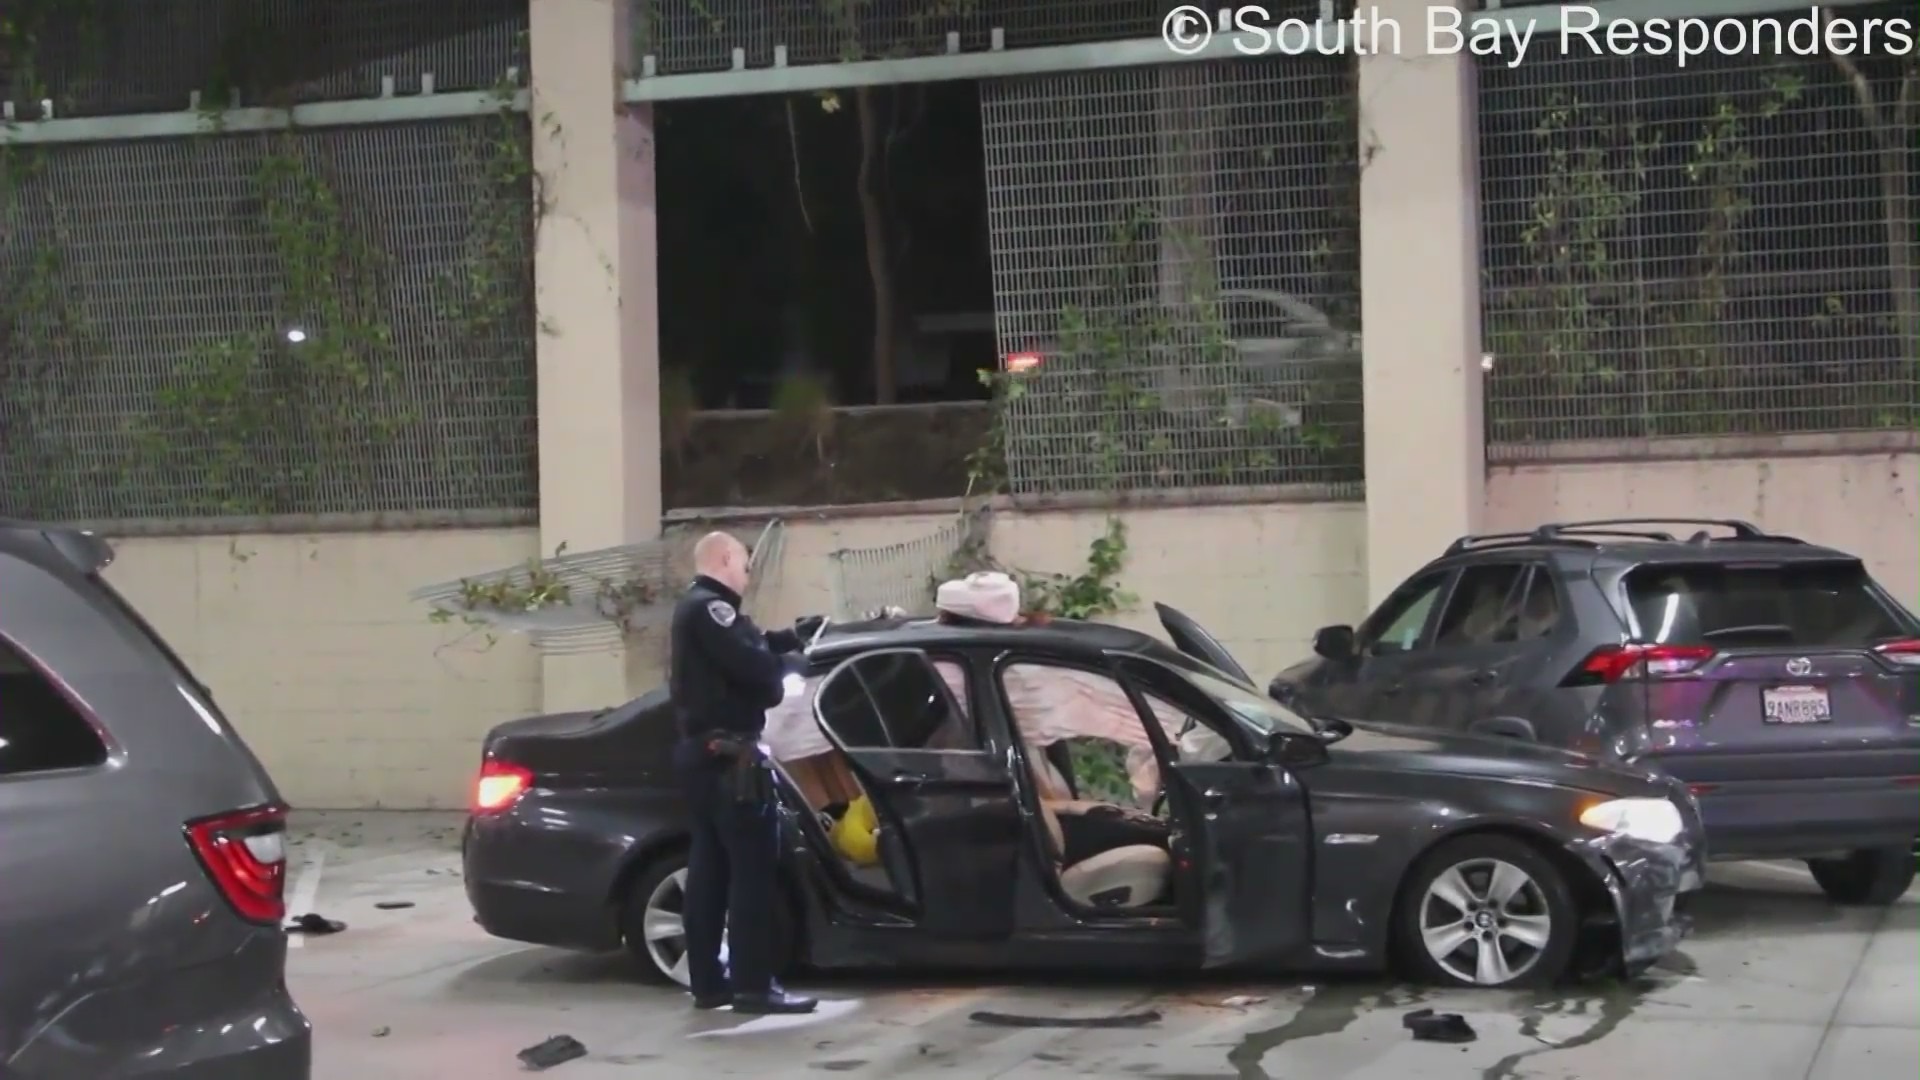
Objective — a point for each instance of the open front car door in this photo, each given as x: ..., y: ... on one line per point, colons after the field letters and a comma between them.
x: 950, y: 835
x: 1245, y: 827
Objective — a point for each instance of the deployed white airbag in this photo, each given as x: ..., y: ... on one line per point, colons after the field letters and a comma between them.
x: 987, y: 595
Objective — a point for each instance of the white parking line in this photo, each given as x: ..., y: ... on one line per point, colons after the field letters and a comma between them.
x: 304, y: 890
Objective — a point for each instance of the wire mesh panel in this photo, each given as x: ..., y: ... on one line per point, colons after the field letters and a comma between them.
x: 301, y: 322
x: 700, y: 35
x: 1180, y: 245
x: 904, y: 575
x: 591, y: 601
x: 117, y: 57
x: 1721, y: 248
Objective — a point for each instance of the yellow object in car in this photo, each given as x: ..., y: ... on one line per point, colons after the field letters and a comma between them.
x: 853, y: 834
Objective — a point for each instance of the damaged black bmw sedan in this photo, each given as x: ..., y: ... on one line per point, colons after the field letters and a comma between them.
x: 1080, y: 795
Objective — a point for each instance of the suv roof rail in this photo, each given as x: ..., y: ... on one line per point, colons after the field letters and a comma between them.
x: 1592, y: 533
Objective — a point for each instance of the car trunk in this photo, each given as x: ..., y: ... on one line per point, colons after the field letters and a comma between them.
x: 1743, y: 669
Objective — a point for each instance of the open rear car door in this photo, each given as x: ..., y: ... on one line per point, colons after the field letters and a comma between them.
x: 1246, y: 829
x: 1191, y: 638
x: 957, y: 834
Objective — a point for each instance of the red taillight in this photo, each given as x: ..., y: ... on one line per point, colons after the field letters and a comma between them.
x: 1611, y: 663
x: 1022, y: 362
x: 245, y: 853
x: 500, y: 786
x: 1901, y: 653
x: 1697, y: 790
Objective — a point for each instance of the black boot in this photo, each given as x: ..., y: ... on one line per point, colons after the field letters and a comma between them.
x: 709, y: 1002
x: 775, y: 1002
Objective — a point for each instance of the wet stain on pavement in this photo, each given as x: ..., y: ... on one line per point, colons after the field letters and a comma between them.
x: 1609, y: 1006
x: 1328, y: 1011
x: 847, y: 1065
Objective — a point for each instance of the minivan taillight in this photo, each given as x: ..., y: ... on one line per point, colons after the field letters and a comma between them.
x: 500, y: 785
x: 1612, y: 663
x: 1904, y: 654
x: 245, y: 853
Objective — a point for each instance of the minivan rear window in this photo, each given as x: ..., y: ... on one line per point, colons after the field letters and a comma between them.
x: 1781, y: 604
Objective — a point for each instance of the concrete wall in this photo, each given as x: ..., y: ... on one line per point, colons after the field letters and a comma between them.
x: 1868, y: 504
x: 345, y: 690
x: 353, y: 699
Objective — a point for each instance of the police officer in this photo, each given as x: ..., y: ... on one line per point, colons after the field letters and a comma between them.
x: 725, y: 675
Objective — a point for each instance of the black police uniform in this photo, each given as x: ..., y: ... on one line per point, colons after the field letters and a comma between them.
x: 725, y: 674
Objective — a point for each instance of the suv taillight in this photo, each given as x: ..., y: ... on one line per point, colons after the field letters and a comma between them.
x: 245, y: 853
x: 1612, y: 663
x: 500, y: 785
x: 1904, y: 654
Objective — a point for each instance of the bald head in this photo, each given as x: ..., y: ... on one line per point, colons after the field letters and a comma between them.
x: 722, y: 557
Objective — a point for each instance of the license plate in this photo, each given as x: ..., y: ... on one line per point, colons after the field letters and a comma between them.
x: 1795, y: 705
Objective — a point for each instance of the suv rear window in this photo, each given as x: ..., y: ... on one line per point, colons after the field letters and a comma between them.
x: 1792, y: 604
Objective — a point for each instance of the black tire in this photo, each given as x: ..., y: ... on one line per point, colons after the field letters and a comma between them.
x: 1870, y: 877
x: 1549, y: 894
x: 633, y: 912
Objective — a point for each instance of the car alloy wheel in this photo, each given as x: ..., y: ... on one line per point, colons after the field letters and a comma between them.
x: 1485, y: 921
x: 663, y: 927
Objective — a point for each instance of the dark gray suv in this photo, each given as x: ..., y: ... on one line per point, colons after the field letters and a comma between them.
x: 142, y: 846
x: 1773, y: 676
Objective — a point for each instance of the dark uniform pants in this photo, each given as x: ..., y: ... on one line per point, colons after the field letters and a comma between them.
x: 731, y: 880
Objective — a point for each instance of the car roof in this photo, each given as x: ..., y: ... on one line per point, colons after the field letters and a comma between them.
x: 54, y: 546
x: 1055, y: 635
x: 1631, y: 541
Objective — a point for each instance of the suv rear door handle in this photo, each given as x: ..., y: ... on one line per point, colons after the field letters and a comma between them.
x: 910, y: 779
x: 1483, y: 678
x: 1392, y: 689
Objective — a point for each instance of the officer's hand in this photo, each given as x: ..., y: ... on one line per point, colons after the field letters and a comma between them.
x: 807, y: 626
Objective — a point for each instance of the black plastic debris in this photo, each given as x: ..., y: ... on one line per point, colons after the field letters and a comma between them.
x: 1430, y: 1026
x: 1123, y: 1020
x: 315, y: 924
x: 555, y: 1051
x: 393, y: 905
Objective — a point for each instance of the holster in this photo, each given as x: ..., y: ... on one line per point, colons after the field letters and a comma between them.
x: 748, y: 778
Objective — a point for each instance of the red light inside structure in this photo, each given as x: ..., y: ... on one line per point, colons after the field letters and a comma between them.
x: 1022, y: 362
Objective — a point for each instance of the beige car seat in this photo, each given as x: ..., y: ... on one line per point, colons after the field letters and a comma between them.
x: 1117, y: 879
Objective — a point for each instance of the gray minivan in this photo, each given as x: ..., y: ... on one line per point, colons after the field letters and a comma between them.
x: 142, y: 846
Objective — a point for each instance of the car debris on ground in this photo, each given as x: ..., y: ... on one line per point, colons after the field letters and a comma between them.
x: 315, y: 924
x: 1123, y: 1020
x: 1430, y: 1026
x: 557, y: 1050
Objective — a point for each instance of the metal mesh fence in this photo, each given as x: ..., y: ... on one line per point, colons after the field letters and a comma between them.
x: 117, y: 57
x: 1180, y: 244
x: 313, y: 322
x: 905, y: 575
x: 1724, y: 248
x: 700, y: 35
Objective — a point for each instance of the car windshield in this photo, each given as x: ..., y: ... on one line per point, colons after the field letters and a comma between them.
x: 1263, y: 714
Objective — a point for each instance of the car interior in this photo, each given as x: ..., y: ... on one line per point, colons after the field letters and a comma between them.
x: 1093, y: 779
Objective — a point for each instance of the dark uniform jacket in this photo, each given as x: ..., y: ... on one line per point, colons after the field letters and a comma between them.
x: 724, y: 672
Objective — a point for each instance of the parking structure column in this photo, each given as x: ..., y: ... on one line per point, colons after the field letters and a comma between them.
x: 596, y: 271
x: 1420, y: 290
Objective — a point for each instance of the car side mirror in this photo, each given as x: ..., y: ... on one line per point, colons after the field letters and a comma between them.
x: 1335, y: 642
x: 1295, y: 750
